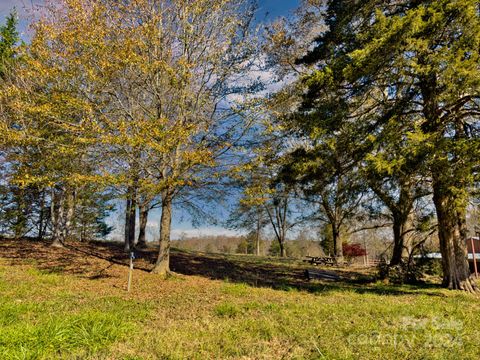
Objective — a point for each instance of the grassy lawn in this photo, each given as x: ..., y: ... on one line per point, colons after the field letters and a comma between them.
x: 51, y: 312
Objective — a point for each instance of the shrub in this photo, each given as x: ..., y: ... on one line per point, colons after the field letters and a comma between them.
x: 353, y: 250
x: 431, y: 267
x: 403, y: 273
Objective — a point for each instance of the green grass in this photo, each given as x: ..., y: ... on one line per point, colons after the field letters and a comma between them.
x: 49, y: 315
x: 337, y: 325
x: 38, y: 320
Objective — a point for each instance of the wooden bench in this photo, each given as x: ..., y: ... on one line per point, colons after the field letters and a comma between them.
x: 331, y: 261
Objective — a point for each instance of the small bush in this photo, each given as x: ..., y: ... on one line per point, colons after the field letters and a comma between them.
x: 431, y: 267
x: 403, y: 273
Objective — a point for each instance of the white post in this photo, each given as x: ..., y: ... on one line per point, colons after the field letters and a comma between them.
x: 130, y: 271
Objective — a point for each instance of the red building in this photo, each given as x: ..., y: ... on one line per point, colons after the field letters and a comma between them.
x: 473, y: 248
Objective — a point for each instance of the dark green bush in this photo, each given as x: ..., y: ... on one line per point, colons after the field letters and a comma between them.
x: 431, y: 267
x: 403, y: 273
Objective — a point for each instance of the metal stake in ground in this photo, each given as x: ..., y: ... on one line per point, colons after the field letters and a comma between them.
x: 130, y: 271
x: 472, y: 242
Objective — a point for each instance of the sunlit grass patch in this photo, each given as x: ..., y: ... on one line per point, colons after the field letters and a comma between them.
x: 37, y: 332
x: 236, y: 289
x: 61, y: 334
x: 60, y: 324
x: 227, y: 310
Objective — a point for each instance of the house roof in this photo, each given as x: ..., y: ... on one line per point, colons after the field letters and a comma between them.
x: 435, y: 255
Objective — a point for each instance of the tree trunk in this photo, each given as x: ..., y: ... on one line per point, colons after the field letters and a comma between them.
x: 401, y: 225
x: 338, y: 245
x: 20, y: 227
x: 162, y: 266
x: 128, y: 205
x: 399, y: 229
x: 57, y: 215
x: 143, y: 225
x: 408, y: 233
x: 69, y: 216
x: 41, y: 220
x: 449, y: 205
x: 452, y: 236
x: 283, y: 252
x: 397, y: 242
x: 257, y: 235
x: 83, y: 229
x: 257, y: 243
x: 130, y: 219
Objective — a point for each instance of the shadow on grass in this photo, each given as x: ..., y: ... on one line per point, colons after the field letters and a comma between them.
x: 85, y: 259
x: 287, y: 276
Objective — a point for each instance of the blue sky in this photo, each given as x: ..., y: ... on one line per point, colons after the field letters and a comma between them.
x: 23, y: 7
x: 268, y: 10
x: 274, y: 8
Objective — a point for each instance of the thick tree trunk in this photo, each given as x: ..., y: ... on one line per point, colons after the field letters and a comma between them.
x: 130, y: 219
x: 162, y: 266
x: 401, y: 225
x: 143, y: 225
x: 448, y: 204
x: 397, y: 242
x: 338, y: 245
x: 283, y: 251
x: 452, y: 236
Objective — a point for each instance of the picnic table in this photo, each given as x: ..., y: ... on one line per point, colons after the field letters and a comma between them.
x: 325, y: 260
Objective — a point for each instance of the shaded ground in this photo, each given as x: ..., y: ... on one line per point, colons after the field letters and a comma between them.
x: 93, y: 260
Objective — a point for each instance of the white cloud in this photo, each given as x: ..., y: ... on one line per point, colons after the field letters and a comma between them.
x: 21, y: 5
